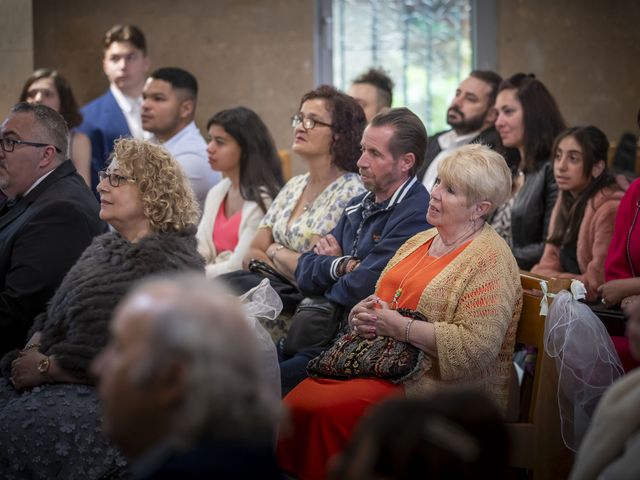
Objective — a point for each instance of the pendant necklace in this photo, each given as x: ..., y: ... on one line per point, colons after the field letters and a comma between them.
x: 399, y: 290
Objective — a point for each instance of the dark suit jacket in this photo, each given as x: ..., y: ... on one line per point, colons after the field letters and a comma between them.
x: 103, y: 122
x: 489, y: 137
x: 41, y: 237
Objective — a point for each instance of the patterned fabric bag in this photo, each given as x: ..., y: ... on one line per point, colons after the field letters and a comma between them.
x: 353, y: 356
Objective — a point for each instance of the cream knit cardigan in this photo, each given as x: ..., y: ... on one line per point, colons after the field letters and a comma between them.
x: 474, y: 304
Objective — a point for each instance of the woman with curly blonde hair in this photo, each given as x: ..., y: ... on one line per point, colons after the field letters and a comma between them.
x: 145, y: 197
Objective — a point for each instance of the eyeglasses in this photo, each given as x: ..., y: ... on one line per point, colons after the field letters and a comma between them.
x: 114, y: 178
x: 307, y: 122
x: 8, y: 144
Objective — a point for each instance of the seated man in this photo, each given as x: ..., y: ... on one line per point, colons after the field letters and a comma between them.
x: 168, y: 110
x: 180, y: 387
x: 471, y: 116
x: 344, y: 266
x: 373, y: 90
x: 117, y: 113
x: 49, y: 217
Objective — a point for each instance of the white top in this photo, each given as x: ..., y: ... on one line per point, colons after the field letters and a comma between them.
x: 132, y: 111
x: 227, y: 261
x: 190, y: 150
x: 448, y: 142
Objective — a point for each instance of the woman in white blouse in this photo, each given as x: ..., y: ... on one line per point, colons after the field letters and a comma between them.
x: 242, y: 149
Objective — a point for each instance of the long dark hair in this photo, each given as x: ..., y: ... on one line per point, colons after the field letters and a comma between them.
x: 68, y: 105
x: 541, y: 117
x: 595, y: 148
x: 347, y: 124
x: 260, y: 167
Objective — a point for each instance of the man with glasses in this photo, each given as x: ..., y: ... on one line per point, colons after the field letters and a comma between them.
x: 47, y: 220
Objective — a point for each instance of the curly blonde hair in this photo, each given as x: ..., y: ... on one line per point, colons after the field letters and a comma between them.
x: 167, y: 199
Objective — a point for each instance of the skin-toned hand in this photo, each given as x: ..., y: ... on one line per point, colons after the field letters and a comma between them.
x: 390, y: 323
x: 628, y: 304
x: 24, y: 370
x: 614, y: 291
x: 328, y: 245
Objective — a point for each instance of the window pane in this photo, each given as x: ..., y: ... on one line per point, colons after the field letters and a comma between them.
x: 425, y: 45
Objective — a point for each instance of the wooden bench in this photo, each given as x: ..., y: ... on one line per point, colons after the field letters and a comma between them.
x: 536, y: 440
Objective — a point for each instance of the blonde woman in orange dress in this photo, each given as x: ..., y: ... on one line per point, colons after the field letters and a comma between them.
x: 462, y: 278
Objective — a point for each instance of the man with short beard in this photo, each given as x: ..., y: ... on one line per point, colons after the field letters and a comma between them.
x: 471, y: 116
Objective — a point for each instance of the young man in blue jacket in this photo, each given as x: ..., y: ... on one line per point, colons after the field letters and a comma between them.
x: 344, y: 266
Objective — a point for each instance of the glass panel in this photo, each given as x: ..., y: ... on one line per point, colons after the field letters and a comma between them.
x: 425, y: 46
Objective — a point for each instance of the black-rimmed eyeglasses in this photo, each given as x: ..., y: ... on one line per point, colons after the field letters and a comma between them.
x: 114, y: 178
x: 8, y: 144
x: 307, y: 122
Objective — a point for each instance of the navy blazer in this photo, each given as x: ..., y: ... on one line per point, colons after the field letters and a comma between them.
x: 41, y: 237
x: 103, y: 122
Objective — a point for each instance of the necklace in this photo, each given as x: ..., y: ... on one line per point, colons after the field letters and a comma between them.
x: 456, y: 244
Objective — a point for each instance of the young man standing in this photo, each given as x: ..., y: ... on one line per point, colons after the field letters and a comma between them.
x: 117, y: 113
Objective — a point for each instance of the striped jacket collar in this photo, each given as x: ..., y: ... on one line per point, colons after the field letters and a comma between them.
x: 396, y: 198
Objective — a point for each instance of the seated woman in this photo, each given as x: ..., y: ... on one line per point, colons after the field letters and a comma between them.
x: 460, y: 277
x: 242, y: 149
x: 49, y: 88
x: 327, y: 133
x: 529, y: 120
x: 582, y: 220
x: 50, y: 422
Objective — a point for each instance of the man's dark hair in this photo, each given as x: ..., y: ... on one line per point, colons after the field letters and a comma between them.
x: 179, y: 79
x: 492, y: 79
x: 384, y: 85
x: 51, y: 122
x: 126, y: 33
x: 410, y: 134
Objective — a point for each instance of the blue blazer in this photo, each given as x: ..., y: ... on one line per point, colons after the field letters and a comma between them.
x: 103, y: 122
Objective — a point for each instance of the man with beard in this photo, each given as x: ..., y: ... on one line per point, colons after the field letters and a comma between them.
x: 471, y: 116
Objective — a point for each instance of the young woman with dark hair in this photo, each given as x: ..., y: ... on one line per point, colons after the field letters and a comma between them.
x: 529, y: 120
x: 48, y: 87
x: 243, y: 150
x: 583, y: 217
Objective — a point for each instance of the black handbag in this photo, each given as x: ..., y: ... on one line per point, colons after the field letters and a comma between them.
x: 314, y: 324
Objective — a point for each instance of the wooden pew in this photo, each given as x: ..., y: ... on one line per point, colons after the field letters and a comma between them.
x: 536, y: 440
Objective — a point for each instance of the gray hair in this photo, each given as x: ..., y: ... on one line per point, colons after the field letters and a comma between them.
x: 53, y: 128
x: 198, y: 323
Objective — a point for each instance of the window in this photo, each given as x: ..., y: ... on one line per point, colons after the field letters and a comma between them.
x: 425, y: 45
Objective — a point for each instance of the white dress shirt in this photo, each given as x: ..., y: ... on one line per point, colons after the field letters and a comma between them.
x: 132, y: 111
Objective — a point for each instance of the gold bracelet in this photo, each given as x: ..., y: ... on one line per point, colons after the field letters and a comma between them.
x: 29, y: 346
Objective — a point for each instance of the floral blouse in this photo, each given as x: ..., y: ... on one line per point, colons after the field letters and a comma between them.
x: 319, y: 219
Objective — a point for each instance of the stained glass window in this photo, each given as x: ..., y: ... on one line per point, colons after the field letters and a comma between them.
x: 425, y: 46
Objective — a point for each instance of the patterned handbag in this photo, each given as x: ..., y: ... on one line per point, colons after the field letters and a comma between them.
x: 353, y: 356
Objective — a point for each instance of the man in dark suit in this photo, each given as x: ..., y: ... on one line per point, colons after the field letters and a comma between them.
x: 47, y: 220
x: 117, y: 113
x: 471, y: 116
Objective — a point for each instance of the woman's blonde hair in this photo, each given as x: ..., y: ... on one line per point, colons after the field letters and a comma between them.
x: 481, y: 173
x: 167, y: 199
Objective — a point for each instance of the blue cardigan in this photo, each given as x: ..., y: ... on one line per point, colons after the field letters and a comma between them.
x: 380, y: 236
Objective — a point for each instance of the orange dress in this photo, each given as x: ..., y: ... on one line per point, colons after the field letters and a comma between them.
x: 325, y: 411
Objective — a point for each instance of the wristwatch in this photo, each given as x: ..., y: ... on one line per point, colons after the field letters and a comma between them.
x: 43, y: 366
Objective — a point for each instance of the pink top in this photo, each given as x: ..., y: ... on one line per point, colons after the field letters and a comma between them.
x: 225, y: 230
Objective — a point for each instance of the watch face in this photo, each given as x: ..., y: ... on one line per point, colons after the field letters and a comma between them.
x: 43, y: 365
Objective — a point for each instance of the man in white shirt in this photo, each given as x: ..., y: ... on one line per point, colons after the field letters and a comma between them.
x: 471, y: 116
x: 168, y: 109
x: 117, y: 113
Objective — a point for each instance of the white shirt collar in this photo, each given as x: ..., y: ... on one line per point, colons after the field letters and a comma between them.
x: 451, y: 139
x: 38, y: 182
